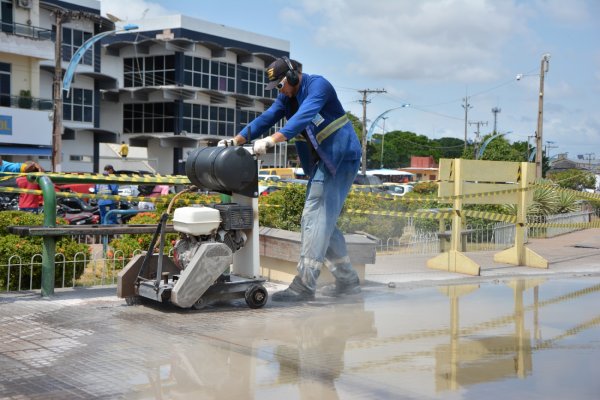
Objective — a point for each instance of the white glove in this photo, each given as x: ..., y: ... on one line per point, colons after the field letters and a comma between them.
x: 262, y: 145
x: 227, y: 143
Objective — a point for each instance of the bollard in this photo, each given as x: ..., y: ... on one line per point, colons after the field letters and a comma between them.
x: 49, y: 249
x: 106, y: 217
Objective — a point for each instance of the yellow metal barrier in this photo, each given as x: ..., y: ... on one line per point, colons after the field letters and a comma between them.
x: 465, y: 181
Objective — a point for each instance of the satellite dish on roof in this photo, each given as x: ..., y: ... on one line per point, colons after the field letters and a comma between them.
x: 113, y: 18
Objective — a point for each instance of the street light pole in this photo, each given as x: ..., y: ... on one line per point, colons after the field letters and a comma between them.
x: 539, y: 134
x: 64, y: 83
x: 364, y: 125
x: 382, y: 140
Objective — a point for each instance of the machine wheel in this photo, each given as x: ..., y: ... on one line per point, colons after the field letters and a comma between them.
x: 256, y: 296
x: 132, y: 300
x: 199, y: 304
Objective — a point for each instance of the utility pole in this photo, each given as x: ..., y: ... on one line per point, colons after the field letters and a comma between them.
x: 60, y: 16
x: 495, y: 111
x: 364, y: 102
x: 466, y: 106
x: 544, y: 64
x: 549, y: 146
x: 590, y: 157
x: 478, y: 123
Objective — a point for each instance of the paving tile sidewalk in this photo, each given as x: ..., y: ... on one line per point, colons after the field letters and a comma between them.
x: 570, y: 254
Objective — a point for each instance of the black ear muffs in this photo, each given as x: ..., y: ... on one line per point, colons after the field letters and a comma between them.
x: 292, y: 74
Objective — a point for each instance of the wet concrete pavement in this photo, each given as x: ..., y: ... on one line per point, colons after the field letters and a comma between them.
x: 514, y: 332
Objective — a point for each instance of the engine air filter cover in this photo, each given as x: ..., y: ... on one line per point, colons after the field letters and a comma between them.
x: 196, y: 221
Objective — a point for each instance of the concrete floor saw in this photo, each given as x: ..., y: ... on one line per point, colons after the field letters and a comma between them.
x: 217, y: 256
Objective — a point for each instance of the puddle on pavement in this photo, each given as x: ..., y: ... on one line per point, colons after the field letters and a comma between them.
x: 510, y: 339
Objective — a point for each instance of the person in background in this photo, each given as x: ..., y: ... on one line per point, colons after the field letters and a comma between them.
x: 27, y: 166
x: 124, y: 150
x: 105, y: 205
x: 157, y: 191
x: 27, y: 201
x: 330, y: 152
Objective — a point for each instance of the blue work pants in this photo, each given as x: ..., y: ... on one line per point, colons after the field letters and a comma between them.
x: 322, y: 242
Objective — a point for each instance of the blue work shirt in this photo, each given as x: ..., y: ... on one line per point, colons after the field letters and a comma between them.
x: 107, y: 189
x: 318, y: 107
x: 12, y: 166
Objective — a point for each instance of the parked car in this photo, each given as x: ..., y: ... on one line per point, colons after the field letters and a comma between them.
x: 368, y: 183
x: 271, y: 178
x: 397, y: 189
x: 264, y: 190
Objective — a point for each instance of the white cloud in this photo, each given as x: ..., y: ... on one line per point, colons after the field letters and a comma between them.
x: 429, y: 39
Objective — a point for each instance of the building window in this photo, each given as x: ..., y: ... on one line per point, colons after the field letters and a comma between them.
x: 222, y: 76
x: 196, y: 72
x: 72, y: 40
x: 213, y: 120
x: 195, y: 118
x: 148, y: 117
x: 252, y: 81
x: 4, y: 84
x: 6, y: 16
x: 222, y: 121
x: 80, y: 158
x: 79, y: 106
x: 247, y: 116
x: 149, y: 71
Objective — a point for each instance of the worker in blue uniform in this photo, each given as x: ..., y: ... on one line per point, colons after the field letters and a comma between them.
x: 106, y: 205
x: 27, y: 166
x: 329, y: 151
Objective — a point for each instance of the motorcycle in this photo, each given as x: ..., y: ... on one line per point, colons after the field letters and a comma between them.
x: 8, y: 202
x: 76, y: 211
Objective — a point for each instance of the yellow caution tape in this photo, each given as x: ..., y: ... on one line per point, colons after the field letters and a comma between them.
x: 403, y: 214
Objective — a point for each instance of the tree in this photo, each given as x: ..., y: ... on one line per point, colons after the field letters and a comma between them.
x: 450, y: 147
x: 575, y: 179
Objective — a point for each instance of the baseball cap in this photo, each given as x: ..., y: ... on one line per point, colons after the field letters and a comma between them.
x: 276, y: 71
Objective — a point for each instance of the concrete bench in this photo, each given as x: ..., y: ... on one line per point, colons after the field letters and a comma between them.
x: 446, y: 236
x: 280, y: 252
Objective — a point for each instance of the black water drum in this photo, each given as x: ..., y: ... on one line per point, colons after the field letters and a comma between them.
x: 223, y: 169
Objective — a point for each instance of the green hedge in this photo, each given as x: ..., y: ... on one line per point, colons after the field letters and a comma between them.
x: 29, y: 249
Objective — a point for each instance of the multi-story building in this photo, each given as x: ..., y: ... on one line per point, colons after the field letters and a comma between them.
x: 184, y: 81
x: 27, y: 57
x: 167, y: 87
x: 25, y: 115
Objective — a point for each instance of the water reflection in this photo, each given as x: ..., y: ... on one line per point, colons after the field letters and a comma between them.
x: 432, y: 342
x: 472, y: 361
x: 301, y: 355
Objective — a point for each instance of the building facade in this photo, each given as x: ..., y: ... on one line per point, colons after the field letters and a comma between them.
x: 172, y: 85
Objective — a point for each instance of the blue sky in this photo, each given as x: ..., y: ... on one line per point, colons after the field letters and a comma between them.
x: 433, y: 53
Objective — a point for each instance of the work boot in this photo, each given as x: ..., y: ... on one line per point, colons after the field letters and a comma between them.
x: 339, y: 289
x: 297, y: 291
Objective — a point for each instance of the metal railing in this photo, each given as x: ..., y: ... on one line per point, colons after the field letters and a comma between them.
x: 26, y: 102
x: 100, y: 269
x: 566, y: 218
x: 34, y: 32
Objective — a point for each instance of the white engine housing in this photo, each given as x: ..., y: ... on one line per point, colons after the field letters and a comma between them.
x: 196, y: 221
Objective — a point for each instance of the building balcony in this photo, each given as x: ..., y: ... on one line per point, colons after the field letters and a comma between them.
x: 33, y: 32
x: 27, y: 102
x: 26, y: 40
